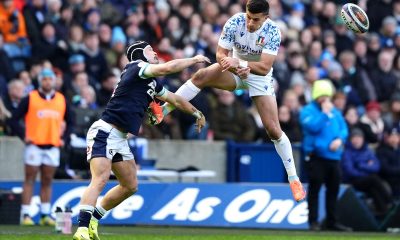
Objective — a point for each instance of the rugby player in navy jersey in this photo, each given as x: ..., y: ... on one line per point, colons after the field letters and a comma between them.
x: 107, y: 146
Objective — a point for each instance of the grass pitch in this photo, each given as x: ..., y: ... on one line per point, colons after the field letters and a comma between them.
x: 186, y: 233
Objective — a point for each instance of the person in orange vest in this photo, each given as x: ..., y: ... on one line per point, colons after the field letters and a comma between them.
x: 12, y: 22
x: 47, y: 119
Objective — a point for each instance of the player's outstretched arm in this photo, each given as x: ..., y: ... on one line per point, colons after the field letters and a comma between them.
x: 173, y: 66
x: 184, y: 106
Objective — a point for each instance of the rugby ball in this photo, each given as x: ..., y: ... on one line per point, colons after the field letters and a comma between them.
x: 355, y: 18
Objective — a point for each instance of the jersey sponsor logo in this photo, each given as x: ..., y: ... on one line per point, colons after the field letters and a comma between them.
x: 260, y: 41
x: 48, y: 113
x: 151, y: 91
x: 247, y: 49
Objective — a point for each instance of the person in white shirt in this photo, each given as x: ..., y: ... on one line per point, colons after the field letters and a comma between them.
x: 254, y: 41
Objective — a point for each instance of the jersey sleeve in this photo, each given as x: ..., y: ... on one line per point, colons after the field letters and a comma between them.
x: 160, y: 90
x: 142, y: 69
x: 131, y: 72
x: 227, y: 38
x: 273, y: 41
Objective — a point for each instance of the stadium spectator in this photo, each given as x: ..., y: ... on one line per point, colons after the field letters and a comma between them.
x: 11, y: 101
x: 361, y: 168
x: 26, y: 78
x: 373, y: 119
x: 352, y: 118
x: 35, y: 17
x: 75, y: 38
x: 76, y: 66
x: 95, y: 61
x: 388, y: 153
x: 392, y: 117
x: 107, y: 88
x: 383, y: 78
x: 13, y: 29
x: 168, y: 129
x: 324, y: 135
x: 7, y: 70
x: 47, y: 47
x: 339, y: 100
x: 45, y: 112
x: 64, y: 21
x: 229, y: 119
x: 289, y: 123
x: 124, y: 113
x: 4, y: 115
x: 360, y: 88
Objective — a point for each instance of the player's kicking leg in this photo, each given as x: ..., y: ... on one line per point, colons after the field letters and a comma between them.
x: 100, y: 169
x: 267, y: 108
x: 125, y: 171
x: 211, y: 76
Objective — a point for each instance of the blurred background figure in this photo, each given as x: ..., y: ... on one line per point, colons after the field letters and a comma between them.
x: 388, y: 153
x: 361, y: 169
x: 324, y: 135
x: 229, y: 119
x: 46, y: 129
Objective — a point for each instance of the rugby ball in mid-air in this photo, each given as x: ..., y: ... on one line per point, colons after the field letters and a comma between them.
x: 355, y: 18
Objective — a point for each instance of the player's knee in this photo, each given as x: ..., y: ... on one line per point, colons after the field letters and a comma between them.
x: 199, y: 78
x: 130, y: 189
x: 29, y: 181
x: 46, y: 181
x: 274, y: 131
x: 100, y: 181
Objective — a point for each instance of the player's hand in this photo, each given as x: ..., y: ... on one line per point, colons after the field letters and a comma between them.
x: 200, y: 123
x: 327, y: 106
x: 201, y: 59
x: 335, y: 144
x: 243, y: 73
x: 27, y: 141
x: 228, y: 63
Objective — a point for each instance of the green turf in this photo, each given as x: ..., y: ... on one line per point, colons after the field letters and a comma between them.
x: 179, y: 233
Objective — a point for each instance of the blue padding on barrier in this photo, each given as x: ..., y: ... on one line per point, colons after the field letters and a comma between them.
x: 182, y: 204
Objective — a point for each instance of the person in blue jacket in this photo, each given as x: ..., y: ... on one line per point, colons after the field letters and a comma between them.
x: 361, y: 168
x: 324, y: 134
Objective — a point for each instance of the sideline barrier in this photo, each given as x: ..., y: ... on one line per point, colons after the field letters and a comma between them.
x: 181, y: 204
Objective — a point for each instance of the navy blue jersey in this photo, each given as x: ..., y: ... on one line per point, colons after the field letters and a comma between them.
x: 131, y: 98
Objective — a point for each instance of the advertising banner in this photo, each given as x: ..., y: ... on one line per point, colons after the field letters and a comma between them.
x: 182, y: 204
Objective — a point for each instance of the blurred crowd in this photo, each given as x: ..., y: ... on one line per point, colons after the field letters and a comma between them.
x: 83, y: 42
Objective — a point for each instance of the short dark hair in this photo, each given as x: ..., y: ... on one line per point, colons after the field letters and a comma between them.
x: 258, y: 6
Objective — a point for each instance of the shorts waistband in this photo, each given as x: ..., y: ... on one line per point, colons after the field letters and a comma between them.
x: 113, y: 129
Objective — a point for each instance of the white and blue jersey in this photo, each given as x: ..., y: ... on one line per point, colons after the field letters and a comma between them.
x: 131, y: 98
x: 246, y: 45
x: 249, y: 46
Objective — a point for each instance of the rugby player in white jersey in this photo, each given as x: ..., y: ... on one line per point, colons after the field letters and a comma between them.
x: 254, y: 41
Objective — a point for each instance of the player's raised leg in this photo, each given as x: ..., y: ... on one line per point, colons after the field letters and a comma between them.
x: 267, y: 108
x: 100, y: 169
x: 125, y: 171
x: 211, y: 76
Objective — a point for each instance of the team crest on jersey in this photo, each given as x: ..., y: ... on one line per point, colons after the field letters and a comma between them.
x: 260, y: 41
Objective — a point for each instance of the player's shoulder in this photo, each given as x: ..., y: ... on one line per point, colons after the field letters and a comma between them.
x: 238, y: 18
x: 270, y: 27
x: 135, y: 65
